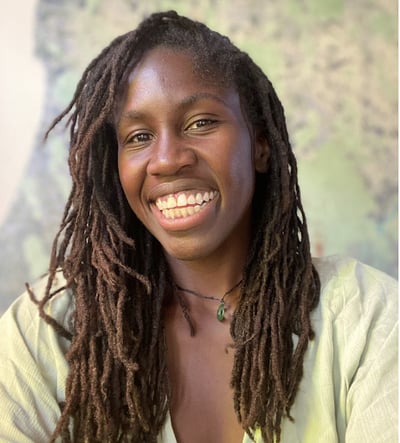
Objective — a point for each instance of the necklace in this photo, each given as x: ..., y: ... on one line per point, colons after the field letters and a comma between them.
x: 221, y: 306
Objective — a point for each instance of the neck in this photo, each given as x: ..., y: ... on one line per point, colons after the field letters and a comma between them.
x: 213, y: 269
x: 206, y: 278
x: 206, y: 294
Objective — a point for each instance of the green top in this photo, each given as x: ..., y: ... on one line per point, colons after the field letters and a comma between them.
x: 348, y: 392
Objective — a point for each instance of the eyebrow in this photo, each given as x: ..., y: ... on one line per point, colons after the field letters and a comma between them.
x: 200, y: 96
x: 187, y: 101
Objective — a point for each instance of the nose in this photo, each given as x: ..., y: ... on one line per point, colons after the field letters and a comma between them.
x: 169, y: 155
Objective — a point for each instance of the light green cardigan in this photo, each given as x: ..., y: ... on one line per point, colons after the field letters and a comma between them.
x: 348, y: 392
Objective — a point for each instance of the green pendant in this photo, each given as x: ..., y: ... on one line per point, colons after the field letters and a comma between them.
x: 221, y: 311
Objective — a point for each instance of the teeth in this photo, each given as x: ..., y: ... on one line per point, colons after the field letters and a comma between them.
x: 181, y: 212
x: 183, y: 205
x: 171, y: 202
x: 199, y: 198
x: 181, y: 200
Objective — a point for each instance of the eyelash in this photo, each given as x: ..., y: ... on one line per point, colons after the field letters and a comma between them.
x: 136, y: 137
x: 200, y: 123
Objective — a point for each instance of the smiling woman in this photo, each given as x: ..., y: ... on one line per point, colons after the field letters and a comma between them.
x: 185, y: 138
x: 182, y: 304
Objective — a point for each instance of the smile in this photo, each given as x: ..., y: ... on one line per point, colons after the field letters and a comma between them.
x: 184, y: 204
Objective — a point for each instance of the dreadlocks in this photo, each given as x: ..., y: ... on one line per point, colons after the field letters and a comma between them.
x: 117, y: 387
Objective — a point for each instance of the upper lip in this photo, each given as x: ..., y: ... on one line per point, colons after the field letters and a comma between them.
x: 176, y: 186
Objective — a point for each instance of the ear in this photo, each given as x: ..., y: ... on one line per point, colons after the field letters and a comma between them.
x: 261, y: 154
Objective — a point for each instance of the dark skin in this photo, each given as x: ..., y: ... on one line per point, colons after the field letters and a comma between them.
x: 199, y: 368
x: 182, y: 138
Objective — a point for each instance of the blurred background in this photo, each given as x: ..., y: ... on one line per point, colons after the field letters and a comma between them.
x: 332, y: 62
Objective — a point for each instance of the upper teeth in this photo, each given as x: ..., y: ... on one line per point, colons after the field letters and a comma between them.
x: 181, y: 200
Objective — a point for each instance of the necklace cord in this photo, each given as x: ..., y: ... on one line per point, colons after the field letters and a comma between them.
x: 221, y: 307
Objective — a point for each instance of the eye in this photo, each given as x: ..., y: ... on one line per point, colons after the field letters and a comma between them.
x: 138, y: 138
x: 202, y: 123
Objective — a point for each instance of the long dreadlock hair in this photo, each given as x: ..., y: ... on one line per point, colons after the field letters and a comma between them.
x: 117, y: 386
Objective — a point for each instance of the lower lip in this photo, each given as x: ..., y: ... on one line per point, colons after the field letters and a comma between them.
x: 185, y: 223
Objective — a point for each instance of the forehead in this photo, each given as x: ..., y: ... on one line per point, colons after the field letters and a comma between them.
x: 176, y: 65
x: 170, y: 72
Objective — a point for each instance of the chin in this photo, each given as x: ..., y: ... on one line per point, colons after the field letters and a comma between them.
x: 189, y: 252
x: 186, y: 255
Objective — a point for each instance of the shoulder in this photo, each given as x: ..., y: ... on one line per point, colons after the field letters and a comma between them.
x: 24, y: 313
x: 33, y: 367
x: 350, y: 369
x: 26, y: 334
x: 357, y: 316
x: 356, y: 327
x: 349, y: 287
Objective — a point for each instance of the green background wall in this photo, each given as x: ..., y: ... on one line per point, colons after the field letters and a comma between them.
x: 334, y: 65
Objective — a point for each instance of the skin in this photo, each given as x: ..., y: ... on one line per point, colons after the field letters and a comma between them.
x: 178, y: 137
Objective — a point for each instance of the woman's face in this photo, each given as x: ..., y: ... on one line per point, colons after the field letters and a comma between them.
x: 185, y: 158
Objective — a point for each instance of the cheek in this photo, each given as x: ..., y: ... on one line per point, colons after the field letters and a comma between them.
x: 243, y: 176
x: 123, y: 173
x: 242, y: 164
x: 128, y: 177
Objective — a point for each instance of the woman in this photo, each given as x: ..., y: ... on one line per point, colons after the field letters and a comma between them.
x: 182, y: 304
